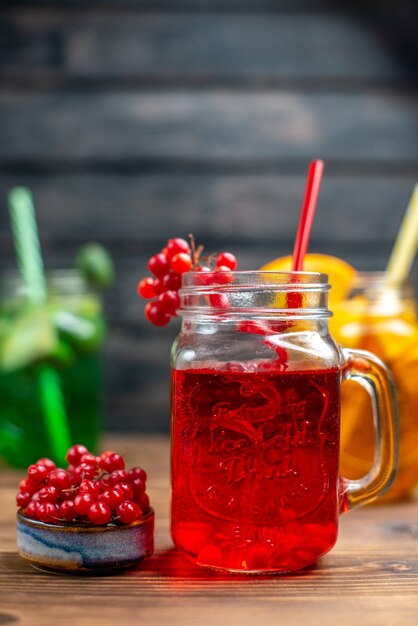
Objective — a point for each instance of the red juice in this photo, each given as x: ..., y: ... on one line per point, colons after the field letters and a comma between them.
x: 255, y: 465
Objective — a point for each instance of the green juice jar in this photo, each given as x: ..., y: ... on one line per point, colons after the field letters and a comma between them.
x: 67, y: 333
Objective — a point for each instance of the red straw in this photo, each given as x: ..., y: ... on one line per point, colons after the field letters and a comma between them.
x: 307, y: 214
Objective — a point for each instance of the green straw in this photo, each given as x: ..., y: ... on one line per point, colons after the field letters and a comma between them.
x: 29, y: 257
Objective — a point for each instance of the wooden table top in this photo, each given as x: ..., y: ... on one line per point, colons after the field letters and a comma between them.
x: 369, y: 579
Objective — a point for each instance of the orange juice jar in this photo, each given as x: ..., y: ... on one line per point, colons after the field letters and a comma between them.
x: 383, y: 320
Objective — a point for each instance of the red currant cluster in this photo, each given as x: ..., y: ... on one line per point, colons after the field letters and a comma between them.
x: 177, y: 258
x: 95, y: 489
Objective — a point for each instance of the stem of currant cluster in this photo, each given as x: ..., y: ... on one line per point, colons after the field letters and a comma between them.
x: 195, y: 252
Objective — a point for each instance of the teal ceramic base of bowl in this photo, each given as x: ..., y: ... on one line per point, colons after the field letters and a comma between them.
x: 76, y: 548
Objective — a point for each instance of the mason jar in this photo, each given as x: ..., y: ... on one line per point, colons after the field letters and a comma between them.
x: 66, y: 333
x: 381, y: 318
x: 255, y: 383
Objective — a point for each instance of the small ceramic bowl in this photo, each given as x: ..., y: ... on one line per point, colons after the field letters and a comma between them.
x: 90, y: 549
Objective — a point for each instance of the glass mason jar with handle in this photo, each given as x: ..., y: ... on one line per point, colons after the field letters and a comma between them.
x: 67, y: 333
x: 381, y: 318
x: 255, y: 382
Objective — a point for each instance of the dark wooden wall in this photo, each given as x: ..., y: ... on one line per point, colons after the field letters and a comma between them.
x: 134, y: 121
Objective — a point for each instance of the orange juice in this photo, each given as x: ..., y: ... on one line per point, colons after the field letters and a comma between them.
x: 382, y: 320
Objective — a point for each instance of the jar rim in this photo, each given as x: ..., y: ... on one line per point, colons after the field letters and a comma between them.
x: 254, y: 293
x: 257, y: 272
x: 378, y: 278
x: 254, y: 278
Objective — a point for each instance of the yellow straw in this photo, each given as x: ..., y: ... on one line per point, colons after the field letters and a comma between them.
x: 405, y: 248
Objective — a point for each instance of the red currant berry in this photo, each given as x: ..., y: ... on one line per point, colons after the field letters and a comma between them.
x: 146, y: 288
x: 76, y: 476
x: 138, y: 487
x: 60, y: 479
x: 48, y: 494
x: 89, y: 458
x: 35, y: 497
x: 137, y: 472
x: 28, y: 485
x: 37, y: 473
x: 118, y: 476
x: 155, y: 315
x: 226, y: 259
x: 144, y: 502
x: 128, y: 512
x: 106, y: 453
x: 83, y: 502
x: 68, y: 494
x: 99, y: 513
x: 23, y: 498
x: 202, y: 270
x: 224, y: 275
x: 104, y: 484
x: 47, y: 512
x: 159, y: 285
x: 75, y: 453
x: 174, y: 246
x: 111, y: 462
x: 31, y: 510
x: 50, y: 465
x: 89, y: 486
x: 158, y: 265
x: 85, y: 471
x: 126, y: 490
x: 219, y: 301
x: 181, y: 263
x: 112, y: 497
x: 171, y: 281
x: 66, y: 511
x: 169, y: 301
x: 210, y: 554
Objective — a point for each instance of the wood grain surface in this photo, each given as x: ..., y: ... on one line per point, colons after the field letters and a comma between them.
x: 227, y: 125
x: 157, y: 45
x: 369, y: 579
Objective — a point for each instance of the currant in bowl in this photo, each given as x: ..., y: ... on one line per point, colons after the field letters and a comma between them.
x: 80, y: 548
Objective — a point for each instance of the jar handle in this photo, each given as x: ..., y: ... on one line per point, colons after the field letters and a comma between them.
x: 369, y: 371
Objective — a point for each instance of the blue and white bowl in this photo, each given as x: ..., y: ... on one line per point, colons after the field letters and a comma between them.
x: 80, y: 548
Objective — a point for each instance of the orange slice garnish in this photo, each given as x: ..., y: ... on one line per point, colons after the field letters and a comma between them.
x: 340, y: 274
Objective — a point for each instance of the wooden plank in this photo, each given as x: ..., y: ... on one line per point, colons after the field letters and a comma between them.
x: 146, y: 209
x: 404, y: 9
x: 137, y: 371
x: 190, y: 47
x: 216, y: 125
x: 180, y: 5
x: 188, y: 610
x: 370, y: 576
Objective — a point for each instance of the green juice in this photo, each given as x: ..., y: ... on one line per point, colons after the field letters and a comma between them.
x: 66, y: 333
